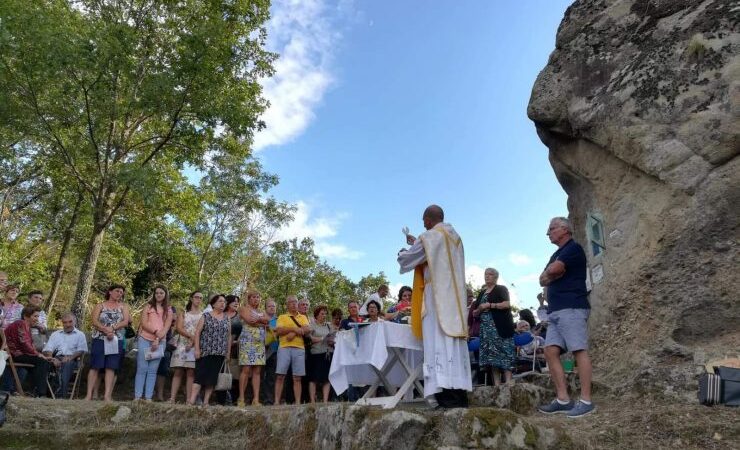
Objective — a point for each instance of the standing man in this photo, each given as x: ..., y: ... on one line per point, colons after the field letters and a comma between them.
x: 353, y: 316
x: 439, y: 308
x: 378, y: 296
x: 65, y: 347
x: 303, y: 306
x: 38, y: 332
x: 267, y: 387
x: 291, y: 327
x: 568, y: 309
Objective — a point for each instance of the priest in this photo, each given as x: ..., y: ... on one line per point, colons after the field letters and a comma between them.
x: 439, y: 309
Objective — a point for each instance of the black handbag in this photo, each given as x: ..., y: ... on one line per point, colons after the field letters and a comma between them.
x: 710, y: 389
x: 129, y: 332
x: 730, y: 385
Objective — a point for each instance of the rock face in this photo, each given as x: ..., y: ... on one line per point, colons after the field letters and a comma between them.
x: 639, y: 105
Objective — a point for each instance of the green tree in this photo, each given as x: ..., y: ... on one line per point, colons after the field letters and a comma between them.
x: 236, y: 221
x: 118, y: 92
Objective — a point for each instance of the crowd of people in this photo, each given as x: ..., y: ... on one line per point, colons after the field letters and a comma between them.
x: 195, y: 345
x: 192, y: 346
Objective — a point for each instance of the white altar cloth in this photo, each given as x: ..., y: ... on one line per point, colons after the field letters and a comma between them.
x: 387, y: 354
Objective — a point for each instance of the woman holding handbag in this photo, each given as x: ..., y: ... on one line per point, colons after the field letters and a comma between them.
x: 109, y: 319
x: 156, y: 319
x: 252, y: 347
x: 212, y: 344
x: 322, y: 340
x: 183, y: 358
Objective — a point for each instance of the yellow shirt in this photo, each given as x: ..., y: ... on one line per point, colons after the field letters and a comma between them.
x: 285, y: 321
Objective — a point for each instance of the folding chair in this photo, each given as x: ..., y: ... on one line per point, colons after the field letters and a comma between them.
x: 71, y: 390
x: 13, y: 367
x: 76, y: 373
x: 526, y: 358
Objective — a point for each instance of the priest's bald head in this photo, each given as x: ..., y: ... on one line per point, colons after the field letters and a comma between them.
x: 432, y: 216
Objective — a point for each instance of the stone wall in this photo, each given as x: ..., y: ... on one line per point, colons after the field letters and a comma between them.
x: 639, y: 106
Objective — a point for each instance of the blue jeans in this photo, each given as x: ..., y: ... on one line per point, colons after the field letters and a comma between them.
x: 146, y: 371
x: 64, y: 372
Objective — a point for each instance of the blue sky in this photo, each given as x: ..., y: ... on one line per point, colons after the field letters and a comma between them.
x: 381, y: 108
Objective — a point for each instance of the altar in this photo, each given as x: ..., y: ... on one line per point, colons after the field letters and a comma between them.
x: 379, y: 354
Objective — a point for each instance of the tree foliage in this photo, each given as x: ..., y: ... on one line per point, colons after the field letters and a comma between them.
x: 119, y: 93
x: 125, y: 154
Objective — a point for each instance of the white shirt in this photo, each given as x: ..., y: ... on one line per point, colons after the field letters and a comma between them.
x: 66, y: 344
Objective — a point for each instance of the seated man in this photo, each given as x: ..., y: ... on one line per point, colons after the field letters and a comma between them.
x: 65, y: 347
x: 20, y: 345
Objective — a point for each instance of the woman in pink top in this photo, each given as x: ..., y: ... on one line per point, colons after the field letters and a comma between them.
x: 156, y: 319
x: 10, y: 308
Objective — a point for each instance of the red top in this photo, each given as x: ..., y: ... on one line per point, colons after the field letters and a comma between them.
x: 19, y: 338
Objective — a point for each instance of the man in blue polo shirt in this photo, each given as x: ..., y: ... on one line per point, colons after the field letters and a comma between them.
x: 568, y: 309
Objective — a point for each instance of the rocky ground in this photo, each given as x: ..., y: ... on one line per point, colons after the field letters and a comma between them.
x: 499, y: 418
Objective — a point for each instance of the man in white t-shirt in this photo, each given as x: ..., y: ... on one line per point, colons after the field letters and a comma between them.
x: 66, y: 346
x: 378, y: 296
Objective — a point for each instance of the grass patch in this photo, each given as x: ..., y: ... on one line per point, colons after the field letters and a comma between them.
x: 697, y: 48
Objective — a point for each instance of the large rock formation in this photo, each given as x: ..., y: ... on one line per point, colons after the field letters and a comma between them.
x: 639, y: 106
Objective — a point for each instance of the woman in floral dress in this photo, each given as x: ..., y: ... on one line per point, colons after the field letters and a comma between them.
x: 183, y: 358
x: 251, y: 346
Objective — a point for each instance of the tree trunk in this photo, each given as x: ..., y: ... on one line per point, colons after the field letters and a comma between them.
x: 204, y: 256
x: 59, y: 272
x: 87, y: 272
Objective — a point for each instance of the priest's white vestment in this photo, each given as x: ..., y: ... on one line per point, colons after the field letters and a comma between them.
x: 444, y: 310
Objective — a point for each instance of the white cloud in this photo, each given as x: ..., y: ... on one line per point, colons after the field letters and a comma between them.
x: 303, y: 226
x: 336, y: 251
x: 320, y: 229
x: 305, y: 34
x: 519, y: 259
